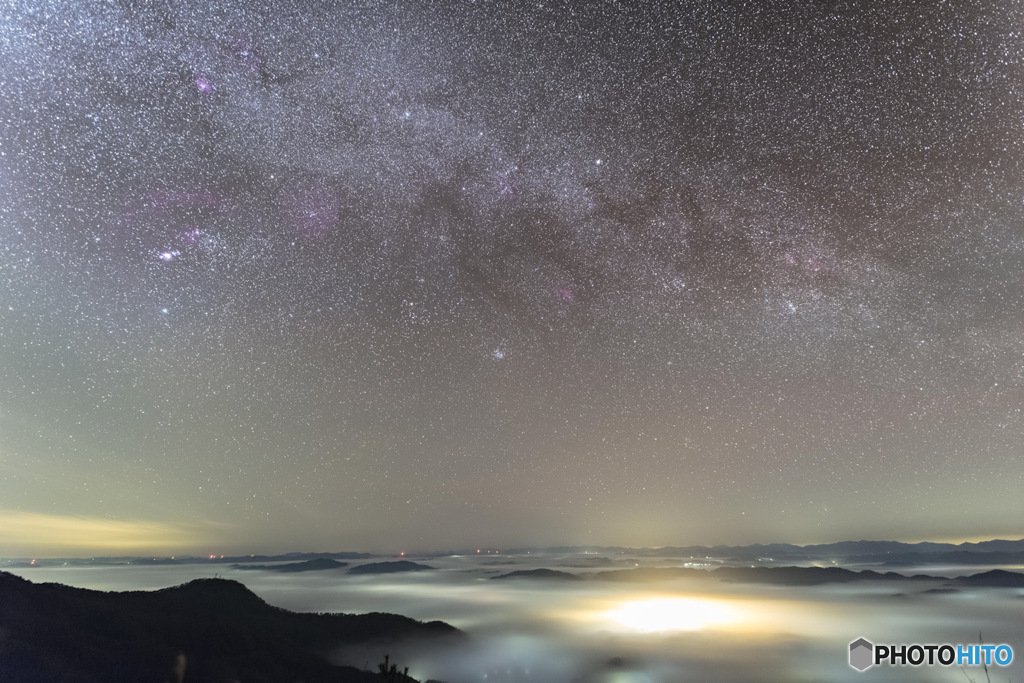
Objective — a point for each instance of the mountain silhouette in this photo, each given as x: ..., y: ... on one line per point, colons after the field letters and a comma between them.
x: 388, y: 567
x: 319, y: 564
x: 802, y: 576
x: 540, y: 574
x: 204, y: 631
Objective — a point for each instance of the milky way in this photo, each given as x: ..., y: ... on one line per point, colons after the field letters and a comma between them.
x: 397, y: 275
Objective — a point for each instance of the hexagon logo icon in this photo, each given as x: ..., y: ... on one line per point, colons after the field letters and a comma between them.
x: 861, y: 654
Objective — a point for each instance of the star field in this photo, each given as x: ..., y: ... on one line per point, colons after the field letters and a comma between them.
x: 365, y: 275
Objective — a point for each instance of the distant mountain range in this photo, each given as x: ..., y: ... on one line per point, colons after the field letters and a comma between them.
x: 542, y: 574
x: 993, y: 552
x: 327, y: 564
x: 845, y: 552
x: 319, y: 564
x: 177, y: 559
x: 849, y: 551
x: 783, y: 576
x: 388, y: 567
x: 204, y: 630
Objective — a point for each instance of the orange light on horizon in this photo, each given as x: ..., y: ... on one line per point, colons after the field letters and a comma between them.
x: 43, y: 534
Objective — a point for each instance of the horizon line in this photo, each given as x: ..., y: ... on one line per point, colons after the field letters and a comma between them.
x: 494, y: 549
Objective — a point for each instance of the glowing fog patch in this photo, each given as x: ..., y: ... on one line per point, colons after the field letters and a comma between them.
x: 671, y: 614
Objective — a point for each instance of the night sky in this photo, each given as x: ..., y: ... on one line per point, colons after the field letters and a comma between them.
x: 420, y: 275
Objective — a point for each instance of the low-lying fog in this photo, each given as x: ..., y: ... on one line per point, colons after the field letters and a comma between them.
x: 680, y: 630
